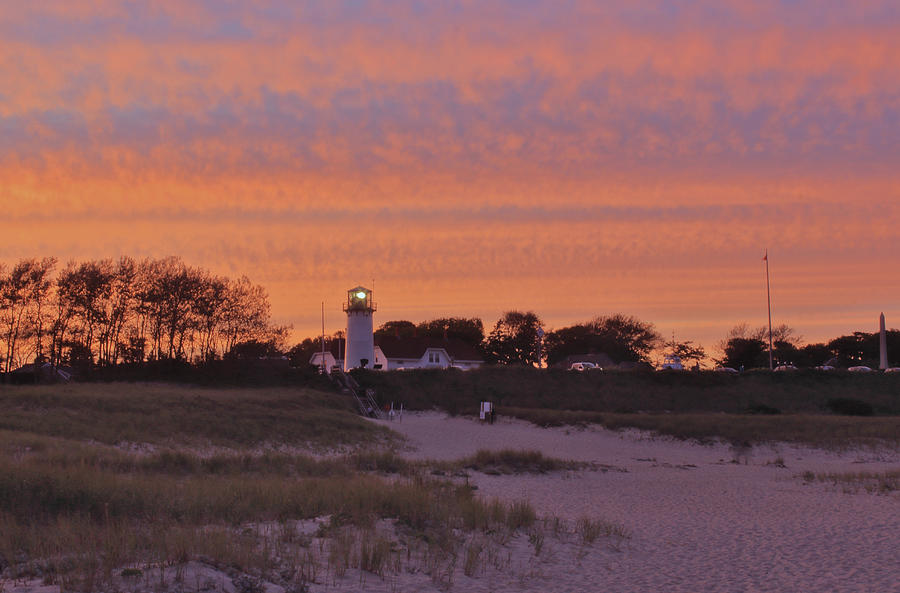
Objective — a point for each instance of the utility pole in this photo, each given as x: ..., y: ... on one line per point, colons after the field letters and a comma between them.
x: 769, y: 302
x: 324, y: 365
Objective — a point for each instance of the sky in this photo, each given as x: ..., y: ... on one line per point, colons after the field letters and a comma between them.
x: 568, y: 157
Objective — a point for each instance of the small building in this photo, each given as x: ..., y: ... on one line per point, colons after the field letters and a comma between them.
x: 39, y: 373
x: 330, y: 361
x: 334, y: 355
x: 395, y: 353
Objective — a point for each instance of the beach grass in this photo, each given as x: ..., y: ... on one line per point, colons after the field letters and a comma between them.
x: 872, y: 482
x: 80, y: 523
x: 516, y: 461
x: 100, y: 483
x: 817, y: 430
x: 115, y: 413
x: 800, y: 392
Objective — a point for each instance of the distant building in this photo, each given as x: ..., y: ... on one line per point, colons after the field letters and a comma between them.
x: 334, y: 355
x: 392, y: 353
x: 425, y: 353
x: 34, y: 373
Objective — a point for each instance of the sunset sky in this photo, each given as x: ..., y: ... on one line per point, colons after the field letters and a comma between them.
x: 569, y: 157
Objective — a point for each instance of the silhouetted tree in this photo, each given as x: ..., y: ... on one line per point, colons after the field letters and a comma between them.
x: 621, y: 337
x: 247, y: 313
x: 107, y: 312
x: 687, y: 351
x: 300, y: 354
x: 118, y: 308
x: 862, y: 348
x: 209, y: 310
x: 400, y: 329
x: 38, y: 315
x: 469, y: 330
x: 514, y: 339
x: 813, y: 355
x: 23, y: 297
x: 780, y: 333
x: 745, y: 353
x: 253, y: 349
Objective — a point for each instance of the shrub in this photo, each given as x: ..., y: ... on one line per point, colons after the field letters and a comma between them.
x: 512, y: 461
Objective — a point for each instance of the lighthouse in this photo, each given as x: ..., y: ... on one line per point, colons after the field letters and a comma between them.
x: 360, y: 337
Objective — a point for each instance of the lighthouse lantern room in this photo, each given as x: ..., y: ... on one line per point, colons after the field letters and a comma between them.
x: 360, y: 333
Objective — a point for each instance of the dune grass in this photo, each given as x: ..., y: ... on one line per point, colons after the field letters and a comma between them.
x: 833, y: 410
x: 97, y: 481
x: 852, y: 482
x: 113, y: 413
x: 514, y: 461
x: 801, y: 392
x: 817, y: 430
x: 79, y: 524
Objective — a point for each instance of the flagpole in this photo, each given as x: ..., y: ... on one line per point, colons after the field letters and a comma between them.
x: 324, y: 365
x: 769, y: 303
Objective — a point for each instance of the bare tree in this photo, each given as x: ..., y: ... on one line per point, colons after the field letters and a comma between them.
x: 103, y: 312
x: 41, y: 285
x: 246, y: 313
x: 22, y: 292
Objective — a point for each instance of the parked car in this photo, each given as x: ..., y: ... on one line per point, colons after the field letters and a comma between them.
x: 725, y: 370
x: 583, y: 366
x: 785, y: 367
x: 860, y: 369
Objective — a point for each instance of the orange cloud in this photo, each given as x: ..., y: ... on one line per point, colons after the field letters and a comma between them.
x: 466, y: 153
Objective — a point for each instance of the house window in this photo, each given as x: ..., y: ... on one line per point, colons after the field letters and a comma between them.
x: 434, y: 357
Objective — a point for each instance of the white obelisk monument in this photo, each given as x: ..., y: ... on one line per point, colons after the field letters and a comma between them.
x: 360, y: 333
x: 882, y: 342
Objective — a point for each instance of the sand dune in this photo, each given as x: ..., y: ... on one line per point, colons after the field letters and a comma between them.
x: 698, y: 521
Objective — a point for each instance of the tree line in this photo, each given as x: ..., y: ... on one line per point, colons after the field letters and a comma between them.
x: 514, y: 338
x: 746, y: 347
x: 106, y: 312
x: 101, y: 313
x: 517, y: 338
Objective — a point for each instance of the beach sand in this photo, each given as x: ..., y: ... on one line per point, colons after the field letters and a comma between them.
x: 699, y: 518
x: 698, y: 521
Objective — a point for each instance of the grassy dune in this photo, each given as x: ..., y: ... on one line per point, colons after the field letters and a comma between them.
x: 160, y: 413
x: 755, y: 407
x: 105, y: 480
x: 817, y: 430
x: 624, y: 392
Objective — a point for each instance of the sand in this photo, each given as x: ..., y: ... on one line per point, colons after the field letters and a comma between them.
x: 698, y: 521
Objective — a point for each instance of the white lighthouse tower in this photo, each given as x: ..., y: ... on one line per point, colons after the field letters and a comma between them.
x: 360, y: 335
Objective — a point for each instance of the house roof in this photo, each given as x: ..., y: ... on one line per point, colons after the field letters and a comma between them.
x: 415, y: 348
x: 45, y: 370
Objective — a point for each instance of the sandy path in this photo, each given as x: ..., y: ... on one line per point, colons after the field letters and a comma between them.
x: 698, y: 521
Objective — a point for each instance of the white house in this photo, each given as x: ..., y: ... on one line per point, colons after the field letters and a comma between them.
x: 330, y: 361
x: 394, y: 353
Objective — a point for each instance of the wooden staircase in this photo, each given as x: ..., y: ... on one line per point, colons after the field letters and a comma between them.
x: 365, y: 399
